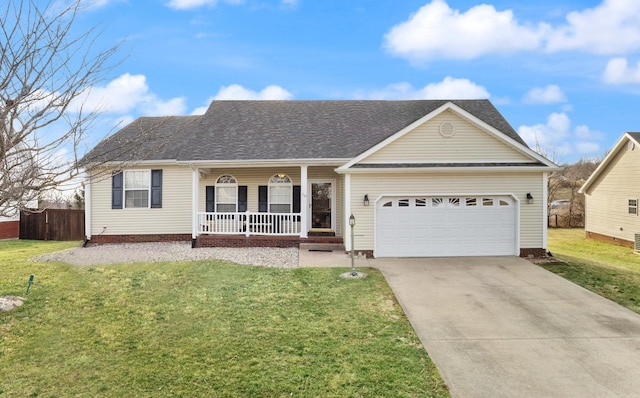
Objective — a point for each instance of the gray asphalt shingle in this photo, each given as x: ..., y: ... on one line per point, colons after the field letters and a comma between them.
x: 269, y: 130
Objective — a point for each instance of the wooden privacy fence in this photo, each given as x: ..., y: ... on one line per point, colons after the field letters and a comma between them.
x: 52, y: 224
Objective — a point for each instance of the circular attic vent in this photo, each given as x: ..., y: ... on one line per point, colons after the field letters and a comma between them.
x: 447, y: 129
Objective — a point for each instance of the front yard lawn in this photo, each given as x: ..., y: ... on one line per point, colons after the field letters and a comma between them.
x: 206, y: 328
x: 608, y: 270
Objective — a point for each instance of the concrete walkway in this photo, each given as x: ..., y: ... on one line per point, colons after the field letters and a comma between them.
x: 503, y: 327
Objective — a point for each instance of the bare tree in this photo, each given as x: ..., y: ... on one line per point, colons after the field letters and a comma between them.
x: 565, y: 183
x: 46, y: 70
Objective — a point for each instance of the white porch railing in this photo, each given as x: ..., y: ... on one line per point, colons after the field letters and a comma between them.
x: 248, y: 223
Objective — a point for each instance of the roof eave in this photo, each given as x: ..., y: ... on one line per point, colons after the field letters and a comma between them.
x: 626, y: 137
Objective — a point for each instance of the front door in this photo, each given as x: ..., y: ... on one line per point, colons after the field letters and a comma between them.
x: 322, y: 205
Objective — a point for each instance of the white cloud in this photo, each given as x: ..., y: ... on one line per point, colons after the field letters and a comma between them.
x: 612, y: 27
x: 550, y: 94
x: 618, y: 71
x: 448, y: 88
x: 237, y: 92
x: 190, y: 4
x: 289, y: 3
x: 557, y: 138
x: 129, y: 93
x: 437, y: 31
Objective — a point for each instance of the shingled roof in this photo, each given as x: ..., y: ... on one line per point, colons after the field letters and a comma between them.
x: 272, y: 130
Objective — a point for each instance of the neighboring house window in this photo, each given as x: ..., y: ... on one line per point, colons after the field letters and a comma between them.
x: 226, y: 194
x: 633, y: 206
x: 280, y: 194
x: 137, y: 189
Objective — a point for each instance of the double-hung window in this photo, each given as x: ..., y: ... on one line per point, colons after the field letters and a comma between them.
x: 133, y: 189
x: 633, y: 206
x: 226, y: 194
x: 280, y: 194
x: 137, y: 184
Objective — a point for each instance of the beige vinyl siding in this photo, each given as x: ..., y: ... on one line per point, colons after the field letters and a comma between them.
x: 425, y: 144
x: 254, y: 177
x: 173, y: 218
x: 532, y: 216
x: 607, y: 198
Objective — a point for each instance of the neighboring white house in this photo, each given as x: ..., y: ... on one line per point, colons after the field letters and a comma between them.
x: 421, y: 178
x: 612, y: 194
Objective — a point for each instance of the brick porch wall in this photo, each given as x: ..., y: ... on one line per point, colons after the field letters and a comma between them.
x: 9, y: 230
x: 260, y: 241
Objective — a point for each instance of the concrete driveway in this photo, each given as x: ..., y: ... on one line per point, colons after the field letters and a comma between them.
x: 503, y: 327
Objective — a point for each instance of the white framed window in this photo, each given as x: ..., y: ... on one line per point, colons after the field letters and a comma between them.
x: 280, y: 194
x: 137, y: 187
x: 226, y: 194
x: 633, y: 206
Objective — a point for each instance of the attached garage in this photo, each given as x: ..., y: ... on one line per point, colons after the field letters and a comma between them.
x: 441, y: 226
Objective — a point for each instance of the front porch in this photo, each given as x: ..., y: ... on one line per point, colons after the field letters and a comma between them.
x: 272, y: 206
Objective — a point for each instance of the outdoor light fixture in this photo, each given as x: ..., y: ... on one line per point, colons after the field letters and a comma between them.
x: 352, y: 223
x: 366, y: 199
x: 529, y: 197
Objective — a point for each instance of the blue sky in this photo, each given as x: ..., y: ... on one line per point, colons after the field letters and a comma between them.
x: 564, y: 73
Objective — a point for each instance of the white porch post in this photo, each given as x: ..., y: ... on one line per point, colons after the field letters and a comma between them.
x: 545, y: 208
x: 87, y: 208
x: 304, y: 202
x: 195, y: 180
x: 346, y: 237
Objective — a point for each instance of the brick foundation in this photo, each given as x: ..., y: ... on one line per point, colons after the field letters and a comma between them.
x: 609, y: 239
x: 9, y: 230
x: 98, y: 239
x: 260, y: 241
x: 535, y: 252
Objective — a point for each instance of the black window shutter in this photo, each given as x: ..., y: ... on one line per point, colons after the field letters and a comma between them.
x: 242, y: 198
x: 156, y: 189
x: 116, y: 191
x: 296, y: 198
x: 211, y: 198
x: 263, y: 191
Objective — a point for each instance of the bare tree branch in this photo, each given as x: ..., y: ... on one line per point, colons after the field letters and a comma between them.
x: 46, y: 71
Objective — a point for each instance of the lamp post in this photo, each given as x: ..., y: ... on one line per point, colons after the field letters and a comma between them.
x: 352, y: 223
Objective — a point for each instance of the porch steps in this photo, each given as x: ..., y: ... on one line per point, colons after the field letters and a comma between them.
x: 321, y: 247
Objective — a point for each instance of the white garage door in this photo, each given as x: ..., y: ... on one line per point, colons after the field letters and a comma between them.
x: 440, y: 226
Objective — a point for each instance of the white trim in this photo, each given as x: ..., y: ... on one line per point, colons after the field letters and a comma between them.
x: 605, y: 162
x: 265, y: 162
x: 396, y: 195
x: 333, y: 199
x: 545, y: 212
x: 439, y: 170
x: 346, y: 232
x: 87, y: 208
x: 451, y: 106
x: 195, y: 181
x: 304, y: 202
x: 222, y: 163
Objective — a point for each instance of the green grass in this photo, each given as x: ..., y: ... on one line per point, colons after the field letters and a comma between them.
x: 608, y: 270
x: 207, y: 328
